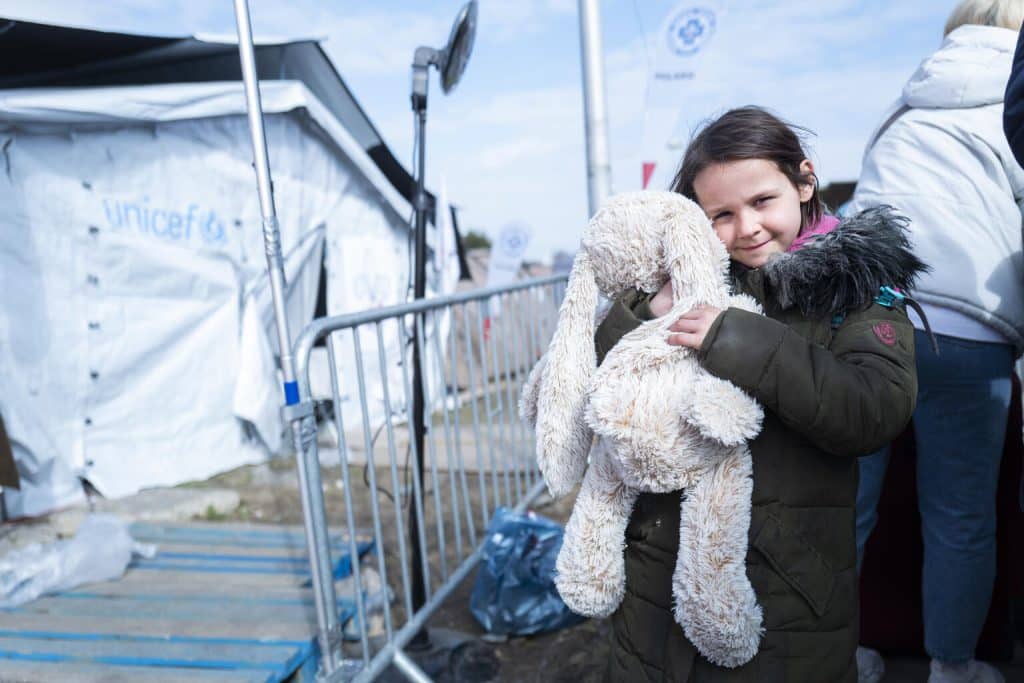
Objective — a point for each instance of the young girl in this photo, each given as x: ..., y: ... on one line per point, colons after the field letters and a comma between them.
x: 831, y: 361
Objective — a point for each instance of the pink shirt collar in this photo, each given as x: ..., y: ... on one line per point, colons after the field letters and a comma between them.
x: 824, y: 226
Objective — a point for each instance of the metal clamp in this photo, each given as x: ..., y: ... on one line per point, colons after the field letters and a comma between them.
x: 297, y: 411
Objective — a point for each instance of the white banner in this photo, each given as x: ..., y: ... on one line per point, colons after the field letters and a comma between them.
x: 506, y: 259
x: 685, y: 37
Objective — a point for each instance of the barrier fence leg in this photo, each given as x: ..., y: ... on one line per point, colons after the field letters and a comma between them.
x: 317, y: 543
x: 409, y: 668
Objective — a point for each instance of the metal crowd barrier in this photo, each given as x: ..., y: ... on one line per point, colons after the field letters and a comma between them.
x: 477, y: 456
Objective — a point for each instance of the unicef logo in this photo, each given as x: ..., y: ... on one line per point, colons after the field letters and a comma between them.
x: 212, y: 230
x: 690, y: 31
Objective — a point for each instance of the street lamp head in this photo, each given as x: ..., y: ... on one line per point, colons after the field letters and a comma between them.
x: 459, y: 47
x: 450, y: 60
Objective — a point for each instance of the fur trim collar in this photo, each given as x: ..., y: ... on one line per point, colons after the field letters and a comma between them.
x: 843, y: 270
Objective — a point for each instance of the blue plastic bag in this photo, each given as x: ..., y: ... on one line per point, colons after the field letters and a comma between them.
x: 514, y: 593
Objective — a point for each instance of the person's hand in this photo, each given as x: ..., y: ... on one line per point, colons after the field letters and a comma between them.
x: 692, y: 326
x: 662, y: 301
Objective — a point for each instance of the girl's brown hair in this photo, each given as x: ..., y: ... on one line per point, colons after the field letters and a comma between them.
x: 750, y: 133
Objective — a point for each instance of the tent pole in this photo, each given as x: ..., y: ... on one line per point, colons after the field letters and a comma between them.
x: 303, y: 425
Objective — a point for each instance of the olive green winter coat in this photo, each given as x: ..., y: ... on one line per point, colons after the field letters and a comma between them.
x: 833, y: 388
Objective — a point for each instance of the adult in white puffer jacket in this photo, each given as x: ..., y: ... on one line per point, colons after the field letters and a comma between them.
x: 940, y: 157
x: 944, y: 162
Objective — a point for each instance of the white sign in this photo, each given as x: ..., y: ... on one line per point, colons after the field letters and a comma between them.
x: 506, y: 258
x: 686, y: 35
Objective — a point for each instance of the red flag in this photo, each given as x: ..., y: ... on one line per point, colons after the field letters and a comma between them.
x: 648, y: 172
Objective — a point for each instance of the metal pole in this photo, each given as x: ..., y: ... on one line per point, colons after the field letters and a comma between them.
x: 595, y: 105
x: 419, y: 589
x: 329, y: 634
x: 271, y: 233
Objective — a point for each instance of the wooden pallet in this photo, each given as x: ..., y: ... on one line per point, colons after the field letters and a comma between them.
x: 219, y: 602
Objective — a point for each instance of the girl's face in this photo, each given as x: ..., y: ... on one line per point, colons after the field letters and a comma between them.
x: 753, y: 207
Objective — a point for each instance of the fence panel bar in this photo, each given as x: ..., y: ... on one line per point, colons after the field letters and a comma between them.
x: 470, y: 522
x: 475, y: 408
x: 509, y: 418
x: 393, y: 465
x: 371, y: 467
x: 497, y: 328
x: 483, y: 324
x: 429, y: 439
x: 518, y: 360
x: 409, y: 669
x: 534, y: 353
x: 442, y: 383
x: 350, y: 518
x: 538, y: 348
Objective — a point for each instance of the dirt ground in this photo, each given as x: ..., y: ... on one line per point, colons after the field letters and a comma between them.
x: 269, y: 494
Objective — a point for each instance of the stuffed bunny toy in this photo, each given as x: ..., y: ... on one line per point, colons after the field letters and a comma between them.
x: 651, y: 420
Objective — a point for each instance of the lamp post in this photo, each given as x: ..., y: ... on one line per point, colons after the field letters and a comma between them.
x: 450, y: 61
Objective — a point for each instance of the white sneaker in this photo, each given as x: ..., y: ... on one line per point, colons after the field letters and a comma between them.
x: 968, y: 672
x: 870, y: 667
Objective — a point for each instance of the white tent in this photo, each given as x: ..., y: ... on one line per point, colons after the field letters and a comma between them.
x: 136, y: 332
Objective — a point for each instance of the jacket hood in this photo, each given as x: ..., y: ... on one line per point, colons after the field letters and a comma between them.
x: 970, y: 69
x: 843, y: 270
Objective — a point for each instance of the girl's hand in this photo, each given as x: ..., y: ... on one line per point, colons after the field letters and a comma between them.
x: 692, y: 326
x: 662, y: 301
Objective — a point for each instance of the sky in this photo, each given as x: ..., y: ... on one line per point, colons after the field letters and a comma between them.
x: 509, y: 140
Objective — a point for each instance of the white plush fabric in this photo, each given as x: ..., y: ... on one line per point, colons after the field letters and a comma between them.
x: 652, y: 420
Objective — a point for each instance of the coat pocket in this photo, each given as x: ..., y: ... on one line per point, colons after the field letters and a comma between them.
x: 797, y: 562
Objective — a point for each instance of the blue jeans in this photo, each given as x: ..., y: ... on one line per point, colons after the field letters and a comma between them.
x: 963, y: 403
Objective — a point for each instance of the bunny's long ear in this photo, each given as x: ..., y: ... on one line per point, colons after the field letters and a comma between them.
x: 698, y: 263
x: 563, y: 438
x: 531, y: 392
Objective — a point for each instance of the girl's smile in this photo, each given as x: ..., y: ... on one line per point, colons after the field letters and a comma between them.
x: 755, y: 247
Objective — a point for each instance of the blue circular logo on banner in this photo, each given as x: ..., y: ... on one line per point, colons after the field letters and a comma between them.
x: 513, y: 239
x: 690, y: 31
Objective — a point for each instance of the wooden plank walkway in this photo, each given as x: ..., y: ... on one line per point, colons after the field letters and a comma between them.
x: 219, y: 602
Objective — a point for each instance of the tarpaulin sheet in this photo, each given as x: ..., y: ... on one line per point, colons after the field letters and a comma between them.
x: 137, y: 330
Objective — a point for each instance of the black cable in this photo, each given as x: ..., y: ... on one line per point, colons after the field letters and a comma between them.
x: 369, y: 459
